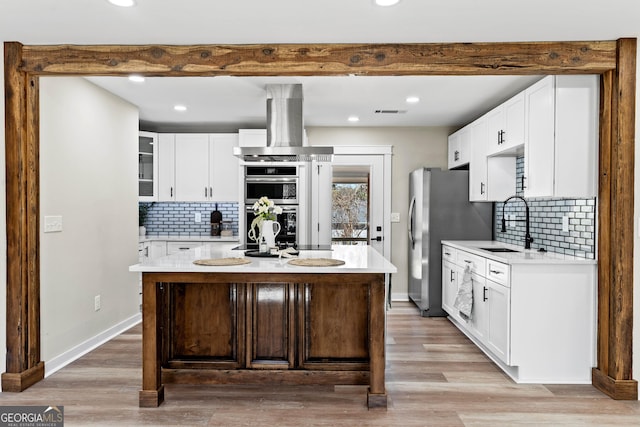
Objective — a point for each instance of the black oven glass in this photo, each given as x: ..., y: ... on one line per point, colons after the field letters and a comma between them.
x: 277, y: 191
x: 288, y: 225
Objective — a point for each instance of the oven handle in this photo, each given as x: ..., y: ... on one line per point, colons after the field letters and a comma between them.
x: 259, y: 180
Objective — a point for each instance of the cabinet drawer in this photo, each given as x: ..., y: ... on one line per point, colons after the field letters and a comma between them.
x: 498, y: 272
x: 173, y: 247
x: 448, y: 253
x: 476, y: 262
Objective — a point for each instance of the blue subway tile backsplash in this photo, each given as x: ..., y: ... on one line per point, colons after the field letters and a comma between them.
x: 546, y: 222
x: 178, y: 218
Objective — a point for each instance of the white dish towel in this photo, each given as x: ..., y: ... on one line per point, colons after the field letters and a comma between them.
x: 464, y: 298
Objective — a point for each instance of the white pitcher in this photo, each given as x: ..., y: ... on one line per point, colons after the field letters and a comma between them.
x: 270, y: 230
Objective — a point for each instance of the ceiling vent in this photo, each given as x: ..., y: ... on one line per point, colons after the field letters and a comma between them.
x: 390, y: 111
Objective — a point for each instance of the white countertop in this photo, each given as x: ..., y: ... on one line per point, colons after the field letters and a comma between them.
x: 187, y: 238
x: 358, y: 259
x: 523, y: 256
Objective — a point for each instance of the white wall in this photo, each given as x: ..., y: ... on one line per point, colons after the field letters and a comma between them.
x: 412, y: 148
x: 88, y: 161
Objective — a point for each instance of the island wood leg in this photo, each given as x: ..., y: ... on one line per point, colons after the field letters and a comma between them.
x: 152, y: 393
x: 376, y: 396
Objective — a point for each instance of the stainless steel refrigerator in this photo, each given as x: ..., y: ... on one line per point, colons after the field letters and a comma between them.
x: 439, y: 209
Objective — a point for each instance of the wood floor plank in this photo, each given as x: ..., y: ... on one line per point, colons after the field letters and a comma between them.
x: 435, y: 377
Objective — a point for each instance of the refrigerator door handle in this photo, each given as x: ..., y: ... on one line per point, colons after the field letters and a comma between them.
x: 412, y: 206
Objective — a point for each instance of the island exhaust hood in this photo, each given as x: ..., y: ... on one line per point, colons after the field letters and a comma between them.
x: 285, y: 130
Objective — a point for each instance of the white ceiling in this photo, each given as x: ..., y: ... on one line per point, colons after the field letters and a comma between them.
x: 445, y: 101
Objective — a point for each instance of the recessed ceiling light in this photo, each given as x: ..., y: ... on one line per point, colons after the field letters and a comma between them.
x: 136, y: 78
x: 387, y: 2
x: 180, y: 107
x: 354, y: 119
x: 122, y: 3
x: 413, y: 99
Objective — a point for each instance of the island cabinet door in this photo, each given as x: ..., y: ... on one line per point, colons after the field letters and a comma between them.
x: 270, y: 326
x: 205, y: 325
x: 334, y: 325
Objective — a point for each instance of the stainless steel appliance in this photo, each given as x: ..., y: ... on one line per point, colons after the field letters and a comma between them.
x: 285, y: 130
x: 278, y: 183
x: 439, y: 209
x: 288, y: 220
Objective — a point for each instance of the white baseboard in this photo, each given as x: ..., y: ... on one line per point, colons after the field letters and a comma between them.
x: 400, y: 296
x: 80, y: 350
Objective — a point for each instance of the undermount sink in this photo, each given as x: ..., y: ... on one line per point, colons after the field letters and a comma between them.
x: 499, y: 249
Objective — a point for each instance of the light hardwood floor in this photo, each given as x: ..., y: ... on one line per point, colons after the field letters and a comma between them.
x: 435, y: 377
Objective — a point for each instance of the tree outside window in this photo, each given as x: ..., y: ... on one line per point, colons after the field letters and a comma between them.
x: 350, y: 212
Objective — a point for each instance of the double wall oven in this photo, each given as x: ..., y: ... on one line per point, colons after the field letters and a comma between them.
x: 281, y: 185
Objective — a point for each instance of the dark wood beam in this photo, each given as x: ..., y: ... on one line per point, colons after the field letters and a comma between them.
x: 614, y: 374
x: 325, y: 59
x: 24, y: 367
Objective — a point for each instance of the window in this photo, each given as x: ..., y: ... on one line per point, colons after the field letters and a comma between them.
x: 350, y: 208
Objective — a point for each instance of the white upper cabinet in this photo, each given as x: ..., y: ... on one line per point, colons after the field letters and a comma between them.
x: 562, y: 137
x: 506, y: 127
x: 192, y: 167
x: 147, y: 166
x: 491, y: 179
x: 198, y: 167
x: 166, y: 167
x: 224, y: 168
x: 252, y: 137
x: 478, y: 161
x: 459, y: 148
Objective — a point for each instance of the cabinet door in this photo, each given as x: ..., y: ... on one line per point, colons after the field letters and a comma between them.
x: 495, y: 128
x: 270, y: 323
x: 192, y: 167
x: 514, y: 118
x: 166, y: 167
x: 224, y: 168
x: 147, y: 166
x: 576, y: 145
x: 540, y: 135
x: 498, y: 320
x: 478, y: 324
x: 449, y: 287
x: 453, y: 150
x: 506, y: 126
x: 252, y: 137
x: 478, y: 161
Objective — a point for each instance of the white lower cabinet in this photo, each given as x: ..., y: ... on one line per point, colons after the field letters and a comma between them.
x: 537, y: 321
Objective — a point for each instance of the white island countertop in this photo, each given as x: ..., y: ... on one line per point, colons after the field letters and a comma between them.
x: 358, y: 259
x: 522, y: 256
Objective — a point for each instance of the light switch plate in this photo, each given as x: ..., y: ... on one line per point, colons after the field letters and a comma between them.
x: 565, y: 223
x: 52, y: 224
x: 198, y: 217
x: 395, y: 217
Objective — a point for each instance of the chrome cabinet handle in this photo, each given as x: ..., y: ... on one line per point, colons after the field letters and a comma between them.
x: 484, y: 294
x: 495, y: 272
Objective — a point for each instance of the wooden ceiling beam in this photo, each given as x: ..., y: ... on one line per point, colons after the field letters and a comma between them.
x: 524, y: 58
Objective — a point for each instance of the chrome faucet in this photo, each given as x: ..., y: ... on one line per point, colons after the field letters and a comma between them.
x: 527, y: 236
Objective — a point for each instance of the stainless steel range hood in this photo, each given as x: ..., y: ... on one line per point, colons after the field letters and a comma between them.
x: 285, y: 130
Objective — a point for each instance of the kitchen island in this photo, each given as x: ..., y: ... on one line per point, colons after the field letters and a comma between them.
x: 266, y: 321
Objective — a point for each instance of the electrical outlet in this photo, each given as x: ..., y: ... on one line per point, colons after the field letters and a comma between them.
x: 198, y: 217
x: 565, y: 223
x: 96, y: 303
x: 395, y: 217
x: 512, y: 220
x: 52, y: 224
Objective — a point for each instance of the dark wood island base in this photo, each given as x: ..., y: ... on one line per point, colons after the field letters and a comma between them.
x: 265, y: 328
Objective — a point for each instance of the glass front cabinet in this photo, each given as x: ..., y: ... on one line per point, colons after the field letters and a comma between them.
x: 147, y: 167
